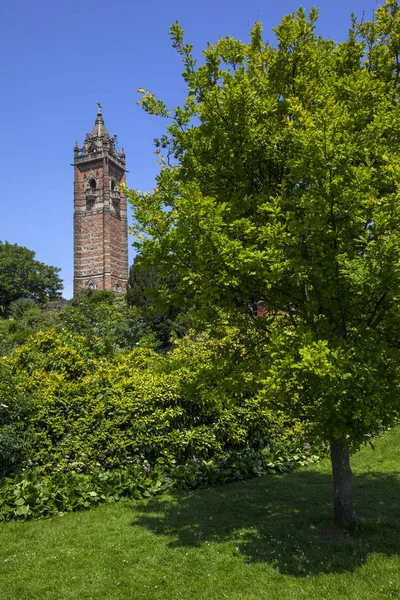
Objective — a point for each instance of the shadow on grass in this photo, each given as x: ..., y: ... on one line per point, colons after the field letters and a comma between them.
x: 285, y: 521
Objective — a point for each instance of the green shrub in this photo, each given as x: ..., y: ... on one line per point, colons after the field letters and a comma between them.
x: 95, y: 427
x: 14, y: 411
x: 94, y: 410
x: 34, y: 495
x: 26, y: 318
x: 102, y: 317
x: 203, y: 473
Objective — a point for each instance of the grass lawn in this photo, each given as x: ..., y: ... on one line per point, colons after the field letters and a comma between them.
x: 268, y: 538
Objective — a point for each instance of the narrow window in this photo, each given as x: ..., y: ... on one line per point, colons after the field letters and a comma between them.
x: 117, y: 209
x: 90, y: 202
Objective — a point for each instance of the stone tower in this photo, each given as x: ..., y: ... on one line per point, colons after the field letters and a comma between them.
x: 100, y: 213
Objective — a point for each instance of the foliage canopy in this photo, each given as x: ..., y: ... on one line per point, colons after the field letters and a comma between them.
x: 152, y: 293
x: 21, y: 276
x: 285, y: 191
x: 104, y: 319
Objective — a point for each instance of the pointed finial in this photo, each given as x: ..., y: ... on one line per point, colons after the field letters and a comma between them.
x: 98, y: 108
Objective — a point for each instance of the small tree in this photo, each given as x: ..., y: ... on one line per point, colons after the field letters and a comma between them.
x: 286, y: 191
x: 26, y: 318
x: 103, y: 317
x: 142, y: 282
x: 21, y: 276
x: 152, y: 292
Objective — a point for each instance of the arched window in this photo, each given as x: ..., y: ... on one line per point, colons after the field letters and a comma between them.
x: 113, y: 185
x: 92, y: 184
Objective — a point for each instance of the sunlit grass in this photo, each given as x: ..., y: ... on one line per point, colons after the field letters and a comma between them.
x: 268, y: 538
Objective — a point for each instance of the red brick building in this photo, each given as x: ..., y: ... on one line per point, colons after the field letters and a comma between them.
x: 100, y: 213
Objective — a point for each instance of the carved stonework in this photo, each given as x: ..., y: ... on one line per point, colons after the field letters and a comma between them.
x: 100, y: 213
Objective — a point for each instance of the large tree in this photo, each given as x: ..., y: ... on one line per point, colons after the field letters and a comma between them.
x: 21, y: 276
x: 286, y: 190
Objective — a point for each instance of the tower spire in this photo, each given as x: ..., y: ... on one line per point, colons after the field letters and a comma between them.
x: 99, y: 129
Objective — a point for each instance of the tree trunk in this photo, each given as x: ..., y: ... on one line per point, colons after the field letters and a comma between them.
x: 344, y: 512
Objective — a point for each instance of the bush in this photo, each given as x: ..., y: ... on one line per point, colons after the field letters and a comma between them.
x: 101, y: 316
x: 26, y: 318
x: 95, y: 427
x: 92, y: 410
x: 14, y: 410
x: 34, y: 495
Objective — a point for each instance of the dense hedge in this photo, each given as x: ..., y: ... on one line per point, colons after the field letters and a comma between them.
x: 80, y: 426
x: 89, y: 410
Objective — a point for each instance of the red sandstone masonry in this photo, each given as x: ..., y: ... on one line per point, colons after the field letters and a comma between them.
x: 100, y: 214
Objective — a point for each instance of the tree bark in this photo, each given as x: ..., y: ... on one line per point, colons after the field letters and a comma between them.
x: 344, y: 511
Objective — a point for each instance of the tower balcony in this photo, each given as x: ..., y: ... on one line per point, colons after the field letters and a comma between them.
x: 91, y: 193
x: 115, y: 195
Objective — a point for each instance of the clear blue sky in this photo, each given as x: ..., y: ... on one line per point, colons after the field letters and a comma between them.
x: 59, y: 57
